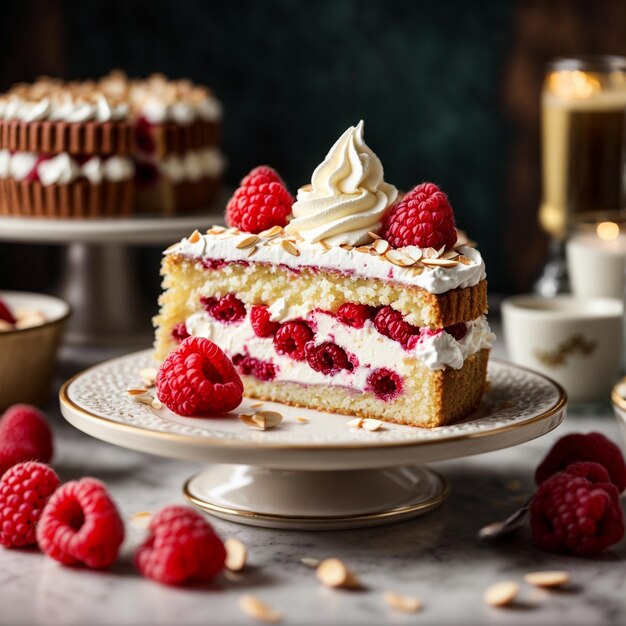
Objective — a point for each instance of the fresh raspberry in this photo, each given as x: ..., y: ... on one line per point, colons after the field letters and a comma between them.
x: 291, y: 339
x: 247, y: 365
x: 179, y: 332
x: 385, y: 384
x: 327, y: 358
x: 228, y: 309
x: 390, y: 323
x: 260, y: 202
x: 5, y: 313
x: 261, y: 322
x: 24, y: 491
x: 422, y: 218
x: 577, y: 511
x: 458, y: 331
x: 197, y: 378
x: 355, y: 315
x: 24, y: 436
x: 181, y: 547
x: 81, y: 524
x: 579, y: 447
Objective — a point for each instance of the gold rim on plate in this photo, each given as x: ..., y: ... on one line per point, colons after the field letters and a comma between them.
x: 558, y: 406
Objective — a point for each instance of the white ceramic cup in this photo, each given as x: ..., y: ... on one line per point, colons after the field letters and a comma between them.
x: 575, y: 341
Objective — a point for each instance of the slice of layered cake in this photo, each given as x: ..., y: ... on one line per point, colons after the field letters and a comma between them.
x: 346, y: 300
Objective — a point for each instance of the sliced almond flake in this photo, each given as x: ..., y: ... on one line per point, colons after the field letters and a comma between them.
x: 346, y: 246
x: 465, y: 260
x: 335, y: 573
x: 402, y: 604
x: 236, y: 555
x: 381, y: 246
x: 414, y: 252
x: 144, y: 399
x: 439, y: 263
x: 136, y: 392
x: 302, y: 420
x: 450, y: 254
x: 441, y: 250
x: 324, y: 245
x: 252, y: 251
x: 356, y: 423
x: 257, y: 609
x: 233, y: 230
x: 374, y: 235
x: 549, y: 578
x: 310, y: 562
x: 256, y: 405
x: 194, y: 237
x: 141, y: 519
x: 148, y: 375
x: 502, y: 593
x: 246, y: 241
x: 216, y: 230
x: 399, y: 258
x: 271, y: 232
x: 247, y: 420
x: 365, y: 249
x: 430, y: 253
x: 156, y: 404
x: 267, y: 419
x: 371, y: 424
x: 289, y: 247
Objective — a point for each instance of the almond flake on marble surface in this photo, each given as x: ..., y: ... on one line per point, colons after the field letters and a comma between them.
x: 371, y: 424
x: 302, y: 420
x: 398, y: 258
x: 257, y: 609
x: 502, y: 593
x: 194, y: 237
x: 381, y: 246
x: 357, y: 422
x: 236, y: 555
x: 374, y: 235
x: 439, y: 263
x: 548, y: 578
x: 141, y: 519
x: 246, y: 241
x: 148, y: 375
x: 271, y: 232
x: 289, y: 247
x: 402, y: 604
x: 334, y: 573
x: 310, y: 562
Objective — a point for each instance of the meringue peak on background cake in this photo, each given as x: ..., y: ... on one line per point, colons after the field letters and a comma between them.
x: 347, y: 198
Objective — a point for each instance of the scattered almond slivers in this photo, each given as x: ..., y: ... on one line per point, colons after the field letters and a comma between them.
x: 439, y: 262
x: 356, y: 423
x: 257, y: 609
x: 290, y: 247
x: 236, y: 555
x: 194, y: 237
x: 246, y: 241
x: 262, y: 420
x: 324, y: 245
x: 310, y: 562
x: 380, y: 245
x: 548, y: 578
x: 371, y: 424
x: 402, y: 604
x: 141, y: 519
x: 399, y: 258
x: 271, y: 232
x: 502, y: 593
x: 136, y: 392
x: 334, y: 573
x: 302, y: 420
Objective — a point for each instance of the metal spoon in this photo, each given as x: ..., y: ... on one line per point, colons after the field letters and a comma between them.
x: 507, y: 526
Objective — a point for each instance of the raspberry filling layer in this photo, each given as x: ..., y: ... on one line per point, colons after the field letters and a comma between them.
x: 363, y: 349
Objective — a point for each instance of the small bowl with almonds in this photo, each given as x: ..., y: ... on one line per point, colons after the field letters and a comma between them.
x: 31, y: 326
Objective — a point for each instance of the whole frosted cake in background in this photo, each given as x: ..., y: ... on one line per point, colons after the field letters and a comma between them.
x: 103, y: 148
x: 346, y: 300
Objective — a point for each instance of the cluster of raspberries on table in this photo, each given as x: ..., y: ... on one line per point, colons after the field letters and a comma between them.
x: 78, y: 523
x: 576, y: 509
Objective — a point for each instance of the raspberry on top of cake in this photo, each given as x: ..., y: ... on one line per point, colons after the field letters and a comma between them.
x: 349, y: 299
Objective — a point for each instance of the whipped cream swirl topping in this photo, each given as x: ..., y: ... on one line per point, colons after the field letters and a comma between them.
x: 347, y: 197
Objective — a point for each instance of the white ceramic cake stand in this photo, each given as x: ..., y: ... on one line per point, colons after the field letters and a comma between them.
x: 98, y: 277
x: 316, y: 475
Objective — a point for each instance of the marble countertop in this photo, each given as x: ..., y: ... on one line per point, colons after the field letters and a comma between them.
x: 436, y: 558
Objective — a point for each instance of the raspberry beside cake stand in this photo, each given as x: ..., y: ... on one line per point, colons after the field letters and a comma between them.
x: 315, y: 475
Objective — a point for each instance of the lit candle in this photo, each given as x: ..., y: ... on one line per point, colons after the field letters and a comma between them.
x: 596, y: 261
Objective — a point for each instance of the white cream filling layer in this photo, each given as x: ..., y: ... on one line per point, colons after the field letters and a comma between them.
x: 192, y: 165
x: 371, y: 349
x: 433, y: 279
x: 63, y: 169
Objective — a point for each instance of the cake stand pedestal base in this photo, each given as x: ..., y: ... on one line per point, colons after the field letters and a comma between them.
x: 315, y: 500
